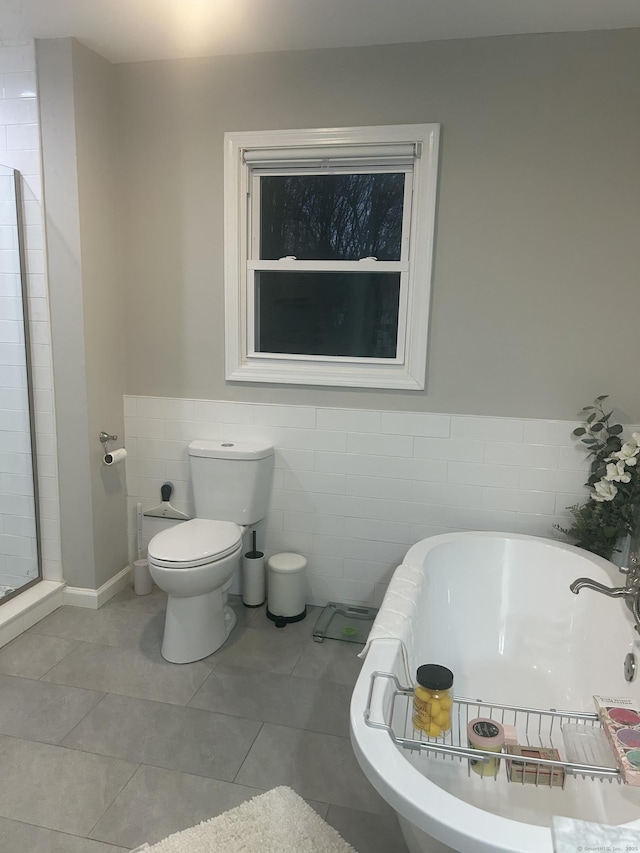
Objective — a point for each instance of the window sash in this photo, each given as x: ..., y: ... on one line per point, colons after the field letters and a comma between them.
x: 254, y: 204
x: 255, y: 264
x: 252, y: 352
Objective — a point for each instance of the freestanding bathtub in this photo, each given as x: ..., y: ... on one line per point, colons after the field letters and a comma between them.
x: 497, y: 610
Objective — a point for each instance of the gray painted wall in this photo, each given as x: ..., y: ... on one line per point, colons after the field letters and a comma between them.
x: 535, y: 299
x: 79, y: 147
x: 60, y: 186
x: 96, y: 140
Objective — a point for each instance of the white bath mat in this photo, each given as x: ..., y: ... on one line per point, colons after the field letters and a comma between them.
x: 570, y: 835
x: 276, y: 822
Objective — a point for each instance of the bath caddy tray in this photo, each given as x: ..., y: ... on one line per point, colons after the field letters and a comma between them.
x: 535, y: 728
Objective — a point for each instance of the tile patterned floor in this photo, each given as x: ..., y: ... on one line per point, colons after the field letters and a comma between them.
x: 104, y: 745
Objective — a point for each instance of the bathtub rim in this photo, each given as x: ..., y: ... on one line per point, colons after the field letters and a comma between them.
x: 410, y: 789
x: 417, y: 553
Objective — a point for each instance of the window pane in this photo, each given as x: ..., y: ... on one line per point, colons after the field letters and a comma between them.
x: 331, y: 217
x: 346, y: 314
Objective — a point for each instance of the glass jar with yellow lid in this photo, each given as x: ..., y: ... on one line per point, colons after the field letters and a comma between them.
x: 432, y: 699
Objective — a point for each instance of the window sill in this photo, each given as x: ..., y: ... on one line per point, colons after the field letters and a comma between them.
x: 354, y: 376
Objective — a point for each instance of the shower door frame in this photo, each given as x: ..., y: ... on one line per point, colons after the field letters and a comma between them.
x: 17, y: 183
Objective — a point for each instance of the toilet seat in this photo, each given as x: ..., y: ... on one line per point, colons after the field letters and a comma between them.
x: 194, y: 543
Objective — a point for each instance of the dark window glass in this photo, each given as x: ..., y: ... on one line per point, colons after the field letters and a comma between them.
x: 331, y: 217
x: 347, y: 314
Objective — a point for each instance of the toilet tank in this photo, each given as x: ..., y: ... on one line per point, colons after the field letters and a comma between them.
x: 231, y: 479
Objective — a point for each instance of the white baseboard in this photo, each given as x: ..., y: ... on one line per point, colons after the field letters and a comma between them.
x: 78, y: 596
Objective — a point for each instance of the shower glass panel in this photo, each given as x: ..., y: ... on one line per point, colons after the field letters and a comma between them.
x: 20, y: 559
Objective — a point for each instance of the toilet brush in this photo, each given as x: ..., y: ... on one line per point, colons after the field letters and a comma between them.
x: 253, y: 581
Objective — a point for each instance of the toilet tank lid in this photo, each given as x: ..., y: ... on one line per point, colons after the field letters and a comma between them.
x: 231, y: 449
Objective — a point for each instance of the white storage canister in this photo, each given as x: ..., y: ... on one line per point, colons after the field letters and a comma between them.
x: 286, y: 588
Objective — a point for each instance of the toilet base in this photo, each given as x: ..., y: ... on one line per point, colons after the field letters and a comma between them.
x: 196, y: 627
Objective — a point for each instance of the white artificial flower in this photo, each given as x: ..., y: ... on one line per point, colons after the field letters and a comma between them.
x: 624, y: 476
x: 628, y: 452
x: 605, y: 490
x: 616, y: 472
x: 636, y: 437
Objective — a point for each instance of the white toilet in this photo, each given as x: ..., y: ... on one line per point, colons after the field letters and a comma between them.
x: 194, y: 561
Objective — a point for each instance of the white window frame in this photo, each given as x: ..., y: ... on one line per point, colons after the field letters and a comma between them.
x: 408, y: 370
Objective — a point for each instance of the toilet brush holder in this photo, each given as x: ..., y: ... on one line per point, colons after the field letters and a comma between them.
x: 253, y: 577
x: 142, y: 583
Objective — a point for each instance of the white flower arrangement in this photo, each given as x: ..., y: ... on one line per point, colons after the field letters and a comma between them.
x: 616, y: 472
x: 613, y: 509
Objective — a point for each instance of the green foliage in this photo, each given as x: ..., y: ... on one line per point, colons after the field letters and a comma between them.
x: 613, y: 509
x: 590, y: 530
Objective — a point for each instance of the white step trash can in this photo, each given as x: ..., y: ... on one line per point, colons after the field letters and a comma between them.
x: 286, y: 588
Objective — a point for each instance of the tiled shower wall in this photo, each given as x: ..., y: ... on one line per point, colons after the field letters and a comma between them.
x: 20, y: 149
x: 18, y: 551
x: 353, y: 489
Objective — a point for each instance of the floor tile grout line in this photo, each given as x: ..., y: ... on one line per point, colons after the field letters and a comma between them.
x: 59, y: 831
x: 138, y: 764
x: 212, y: 668
x: 122, y: 787
x: 49, y: 636
x: 269, y: 722
x: 188, y: 707
x: 186, y: 704
x: 88, y: 751
x: 126, y: 695
x: 52, y: 683
x: 82, y: 641
x: 315, y: 799
x: 223, y: 714
x: 242, y: 763
x: 142, y: 764
x: 64, y: 657
x: 166, y: 704
x: 67, y: 748
x: 131, y: 645
x: 261, y: 669
x: 90, y: 711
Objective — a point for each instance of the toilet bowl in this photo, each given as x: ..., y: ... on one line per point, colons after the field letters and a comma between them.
x: 194, y: 561
x: 194, y: 564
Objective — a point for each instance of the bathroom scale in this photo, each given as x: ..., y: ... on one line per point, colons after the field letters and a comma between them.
x: 347, y: 622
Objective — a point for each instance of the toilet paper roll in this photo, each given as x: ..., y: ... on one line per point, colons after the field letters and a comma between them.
x: 115, y: 456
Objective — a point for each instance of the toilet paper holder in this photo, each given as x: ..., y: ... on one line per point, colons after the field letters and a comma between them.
x: 111, y: 457
x: 105, y: 437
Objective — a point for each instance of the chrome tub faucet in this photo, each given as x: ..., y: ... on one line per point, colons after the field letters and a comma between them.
x: 630, y: 591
